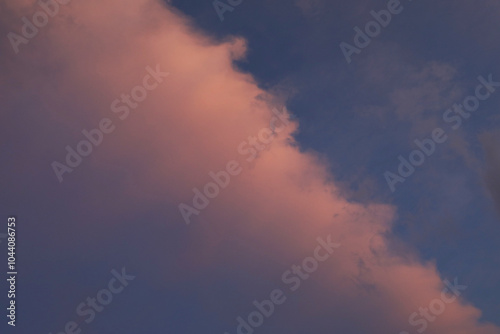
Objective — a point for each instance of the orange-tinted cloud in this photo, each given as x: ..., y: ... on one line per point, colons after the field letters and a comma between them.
x: 192, y: 124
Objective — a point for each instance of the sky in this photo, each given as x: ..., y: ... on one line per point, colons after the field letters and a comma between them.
x: 240, y: 167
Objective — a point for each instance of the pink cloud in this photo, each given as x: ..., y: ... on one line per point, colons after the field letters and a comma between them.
x: 192, y: 124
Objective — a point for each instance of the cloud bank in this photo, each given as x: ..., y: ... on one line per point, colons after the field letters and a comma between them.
x: 92, y: 52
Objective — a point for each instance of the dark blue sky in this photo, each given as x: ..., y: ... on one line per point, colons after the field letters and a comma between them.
x: 445, y: 209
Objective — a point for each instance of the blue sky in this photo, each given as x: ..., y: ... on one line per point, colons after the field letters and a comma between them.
x: 446, y: 210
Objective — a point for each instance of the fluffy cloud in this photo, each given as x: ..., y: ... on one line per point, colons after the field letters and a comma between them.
x: 192, y: 124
